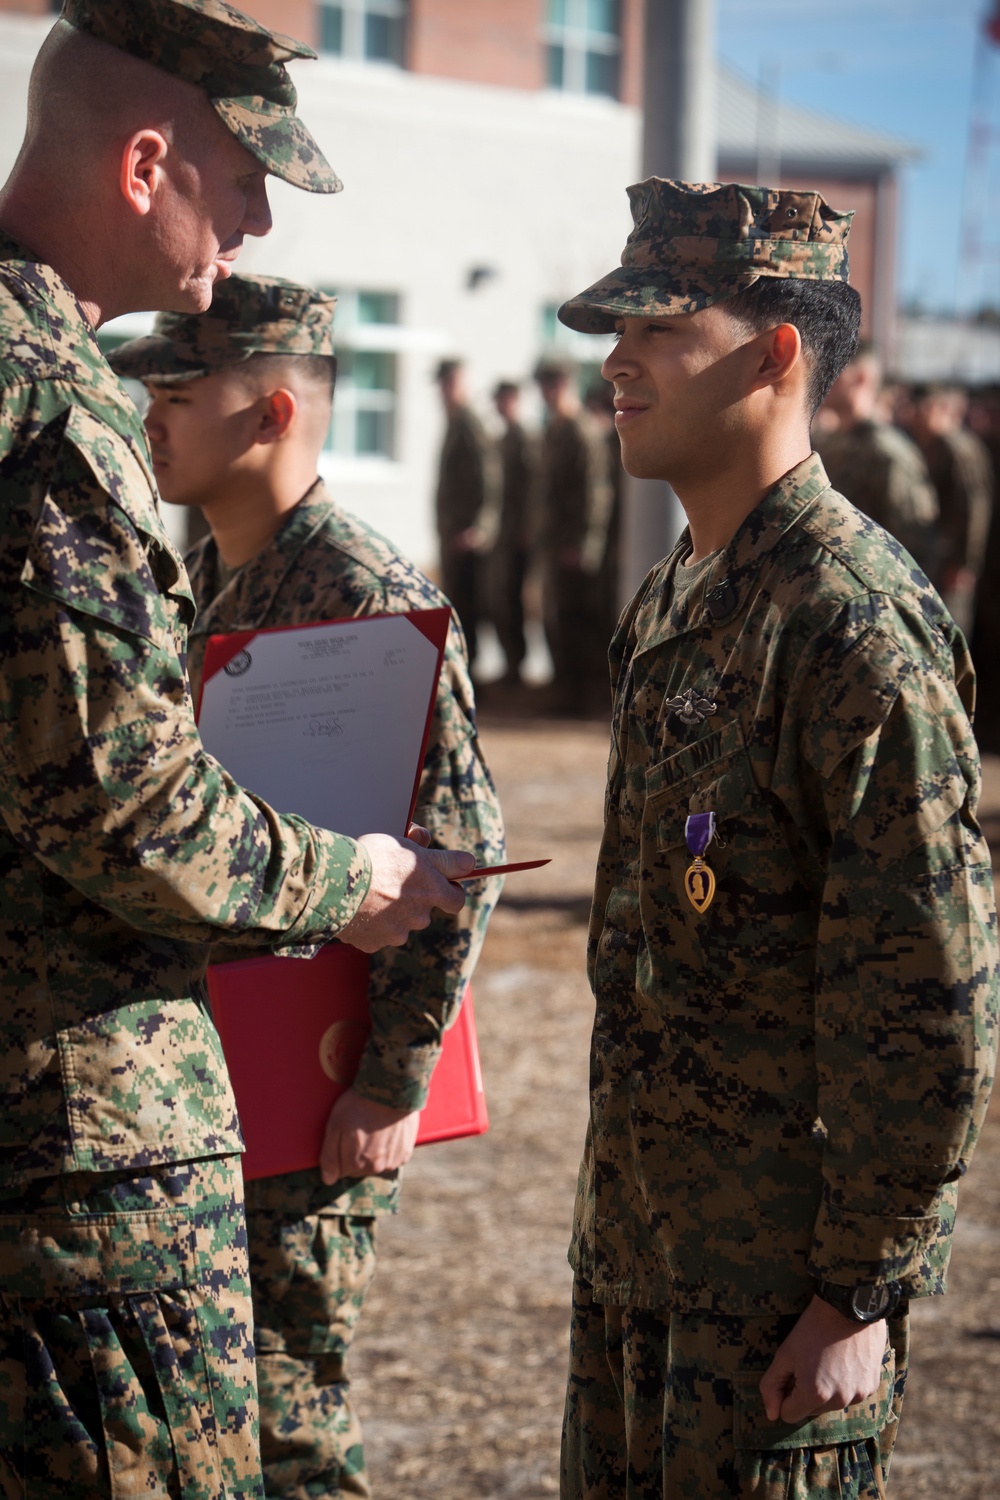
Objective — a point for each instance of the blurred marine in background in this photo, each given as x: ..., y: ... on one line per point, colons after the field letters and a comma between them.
x: 961, y: 471
x: 873, y: 463
x: 467, y: 502
x: 511, y: 555
x: 575, y: 501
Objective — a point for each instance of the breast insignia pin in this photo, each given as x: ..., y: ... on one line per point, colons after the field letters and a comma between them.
x: 691, y: 707
x: 699, y: 882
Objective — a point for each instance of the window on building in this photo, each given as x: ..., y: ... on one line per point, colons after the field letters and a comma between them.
x: 584, y: 42
x: 364, y: 408
x: 368, y: 30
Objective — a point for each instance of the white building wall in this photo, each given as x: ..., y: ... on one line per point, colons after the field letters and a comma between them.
x: 439, y: 177
x: 929, y: 349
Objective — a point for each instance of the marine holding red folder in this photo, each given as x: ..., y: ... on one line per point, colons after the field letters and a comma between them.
x: 240, y: 407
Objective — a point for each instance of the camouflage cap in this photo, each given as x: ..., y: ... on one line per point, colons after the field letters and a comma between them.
x: 236, y: 62
x: 695, y: 243
x: 249, y: 315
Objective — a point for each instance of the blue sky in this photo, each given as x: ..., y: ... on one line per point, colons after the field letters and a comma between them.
x: 905, y: 67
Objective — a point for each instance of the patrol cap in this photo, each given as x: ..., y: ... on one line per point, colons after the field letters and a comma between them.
x: 695, y: 243
x: 249, y: 315
x: 237, y: 63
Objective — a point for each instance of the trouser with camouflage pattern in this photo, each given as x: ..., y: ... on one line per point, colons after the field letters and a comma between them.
x: 666, y: 1406
x: 126, y: 1339
x: 310, y: 1270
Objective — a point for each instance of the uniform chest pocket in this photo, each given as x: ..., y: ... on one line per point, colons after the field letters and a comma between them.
x: 761, y: 919
x: 713, y: 775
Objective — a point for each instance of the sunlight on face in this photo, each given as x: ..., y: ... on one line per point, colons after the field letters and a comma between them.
x: 678, y: 382
x: 214, y: 195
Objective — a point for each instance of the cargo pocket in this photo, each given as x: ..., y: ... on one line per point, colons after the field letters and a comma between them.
x: 175, y: 1383
x: 134, y: 1334
x: 837, y: 1453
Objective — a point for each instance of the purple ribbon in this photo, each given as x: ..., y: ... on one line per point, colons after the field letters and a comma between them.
x: 699, y: 831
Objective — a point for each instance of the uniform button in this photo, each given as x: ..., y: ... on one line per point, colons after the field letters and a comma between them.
x: 722, y: 600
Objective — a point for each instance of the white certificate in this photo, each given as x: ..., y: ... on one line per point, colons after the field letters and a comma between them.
x: 329, y: 720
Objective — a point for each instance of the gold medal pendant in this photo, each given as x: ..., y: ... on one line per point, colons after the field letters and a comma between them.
x: 699, y: 882
x: 699, y: 885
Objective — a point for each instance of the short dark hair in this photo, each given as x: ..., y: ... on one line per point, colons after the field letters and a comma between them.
x: 319, y: 370
x: 826, y: 313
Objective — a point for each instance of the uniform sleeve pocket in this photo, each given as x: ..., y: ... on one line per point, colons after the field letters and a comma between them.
x: 90, y: 553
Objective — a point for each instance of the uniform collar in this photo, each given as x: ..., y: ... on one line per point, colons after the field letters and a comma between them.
x: 728, y: 582
x: 246, y: 601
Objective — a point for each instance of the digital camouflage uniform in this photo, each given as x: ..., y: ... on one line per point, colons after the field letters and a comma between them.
x: 509, y: 563
x: 788, y: 1085
x: 312, y: 1247
x: 468, y: 495
x: 883, y: 473
x: 126, y: 1357
x: 576, y: 500
x: 961, y: 471
x: 986, y: 623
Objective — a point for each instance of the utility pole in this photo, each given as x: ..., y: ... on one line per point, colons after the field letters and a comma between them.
x: 678, y: 140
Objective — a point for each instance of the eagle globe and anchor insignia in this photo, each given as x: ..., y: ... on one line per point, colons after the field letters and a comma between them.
x: 340, y: 1049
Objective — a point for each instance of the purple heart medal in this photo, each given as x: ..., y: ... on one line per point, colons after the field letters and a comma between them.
x: 699, y: 882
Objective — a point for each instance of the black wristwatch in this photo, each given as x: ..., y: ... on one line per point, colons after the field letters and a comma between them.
x: 862, y: 1304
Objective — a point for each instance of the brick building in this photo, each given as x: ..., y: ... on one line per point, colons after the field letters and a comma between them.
x: 484, y: 150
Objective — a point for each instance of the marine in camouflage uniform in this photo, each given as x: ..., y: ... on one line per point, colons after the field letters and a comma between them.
x: 985, y: 414
x: 787, y: 1083
x: 512, y: 553
x: 467, y: 502
x: 126, y: 1358
x: 961, y: 471
x: 312, y: 1246
x: 876, y: 465
x: 576, y: 501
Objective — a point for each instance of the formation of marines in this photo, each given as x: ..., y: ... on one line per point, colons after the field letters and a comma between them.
x: 547, y: 502
x: 793, y: 944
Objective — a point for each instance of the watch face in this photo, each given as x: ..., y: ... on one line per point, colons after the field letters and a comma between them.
x: 870, y: 1302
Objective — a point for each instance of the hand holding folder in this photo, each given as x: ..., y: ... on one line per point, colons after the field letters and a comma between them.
x: 366, y: 1139
x: 406, y: 885
x: 293, y: 1032
x: 331, y: 721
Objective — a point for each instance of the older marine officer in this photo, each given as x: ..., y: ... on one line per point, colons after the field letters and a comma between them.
x: 126, y: 1363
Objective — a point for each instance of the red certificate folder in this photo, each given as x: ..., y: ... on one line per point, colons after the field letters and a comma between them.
x: 293, y: 1031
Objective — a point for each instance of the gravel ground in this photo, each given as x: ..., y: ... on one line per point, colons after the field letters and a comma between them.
x: 460, y: 1365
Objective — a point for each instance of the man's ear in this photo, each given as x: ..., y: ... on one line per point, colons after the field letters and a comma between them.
x: 780, y: 351
x: 142, y: 169
x: 277, y: 413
